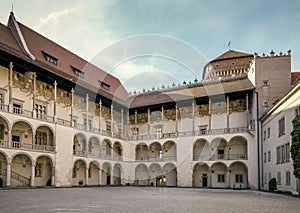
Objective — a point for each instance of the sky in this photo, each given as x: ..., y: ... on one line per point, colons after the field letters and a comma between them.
x: 155, y: 43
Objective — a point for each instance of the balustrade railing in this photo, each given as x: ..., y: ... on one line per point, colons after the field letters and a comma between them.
x: 27, y: 146
x: 215, y: 157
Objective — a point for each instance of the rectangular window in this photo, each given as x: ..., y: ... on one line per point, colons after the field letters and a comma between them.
x: 287, y: 155
x: 265, y: 103
x: 203, y: 130
x: 50, y: 58
x: 278, y: 155
x: 221, y: 178
x: 220, y: 153
x: 40, y: 138
x: 17, y: 108
x: 287, y: 178
x: 265, y: 83
x: 239, y: 178
x: 38, y: 170
x: 265, y: 135
x: 159, y: 132
x: 279, y: 178
x: 40, y: 111
x: 108, y: 126
x: 1, y: 101
x: 268, y: 132
x: 105, y: 86
x: 266, y: 178
x: 269, y: 156
x: 281, y: 127
x: 135, y: 132
x: 77, y: 72
x: 265, y: 157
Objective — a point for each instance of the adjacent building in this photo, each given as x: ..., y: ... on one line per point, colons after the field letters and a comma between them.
x: 65, y: 122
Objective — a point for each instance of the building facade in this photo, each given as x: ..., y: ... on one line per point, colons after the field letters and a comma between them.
x: 65, y: 122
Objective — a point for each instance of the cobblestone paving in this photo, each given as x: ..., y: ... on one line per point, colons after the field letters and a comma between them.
x: 143, y: 199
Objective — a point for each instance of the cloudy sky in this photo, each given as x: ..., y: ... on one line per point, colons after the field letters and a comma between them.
x: 148, y: 43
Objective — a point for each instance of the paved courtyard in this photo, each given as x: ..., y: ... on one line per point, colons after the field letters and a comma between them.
x: 140, y: 199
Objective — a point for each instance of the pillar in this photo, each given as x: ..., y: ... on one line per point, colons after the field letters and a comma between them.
x: 87, y: 176
x: 149, y: 122
x: 34, y: 95
x: 135, y: 125
x: 112, y: 119
x: 193, y: 117
x: 52, y: 176
x: 32, y: 175
x: 8, y: 174
x: 99, y: 177
x: 176, y: 120
x: 72, y: 107
x: 55, y: 96
x: 87, y: 112
x: 10, y: 86
x: 112, y: 176
x: 228, y: 178
x: 209, y: 178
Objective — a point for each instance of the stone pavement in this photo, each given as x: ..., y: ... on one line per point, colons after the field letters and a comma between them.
x: 143, y: 199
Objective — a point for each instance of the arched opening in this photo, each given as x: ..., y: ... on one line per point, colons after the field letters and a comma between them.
x: 79, y: 173
x: 170, y: 172
x: 219, y: 175
x: 44, y: 139
x: 238, y: 175
x: 117, y: 174
x: 43, y: 171
x: 22, y: 135
x: 3, y: 133
x: 154, y: 174
x: 201, y: 150
x: 238, y: 148
x: 106, y: 149
x: 3, y: 168
x: 219, y: 149
x: 200, y: 175
x: 169, y: 151
x: 141, y: 152
x: 94, y: 147
x: 21, y: 170
x: 117, y: 151
x: 155, y: 152
x: 79, y: 145
x: 106, y: 173
x: 93, y: 174
x: 141, y: 175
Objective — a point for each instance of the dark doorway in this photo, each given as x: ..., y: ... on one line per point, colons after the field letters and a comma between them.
x: 108, y: 179
x: 204, y: 181
x: 1, y: 183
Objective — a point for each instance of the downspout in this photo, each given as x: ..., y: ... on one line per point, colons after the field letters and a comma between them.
x: 258, y: 134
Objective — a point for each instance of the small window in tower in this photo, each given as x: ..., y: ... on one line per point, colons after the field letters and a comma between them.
x: 104, y: 85
x: 50, y: 58
x: 265, y: 83
x: 78, y: 72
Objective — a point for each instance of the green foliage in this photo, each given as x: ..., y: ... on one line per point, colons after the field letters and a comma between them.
x: 295, y: 148
x: 272, y: 185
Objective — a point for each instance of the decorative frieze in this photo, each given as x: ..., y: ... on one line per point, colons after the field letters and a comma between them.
x: 218, y: 107
x: 238, y: 105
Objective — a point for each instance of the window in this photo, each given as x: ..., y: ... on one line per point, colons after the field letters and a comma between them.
x: 268, y: 132
x: 203, y: 130
x: 38, y: 170
x: 220, y: 153
x: 1, y: 132
x: 265, y: 157
x: 266, y: 178
x: 239, y: 178
x: 265, y: 83
x: 40, y: 138
x: 104, y: 85
x: 265, y: 134
x: 281, y: 127
x: 221, y: 178
x: 283, y: 153
x: 287, y: 155
x: 297, y: 111
x: 159, y: 132
x: 50, y: 58
x: 90, y: 172
x: 77, y: 72
x: 89, y: 123
x: 287, y: 178
x: 135, y: 132
x: 17, y: 108
x: 265, y: 103
x: 1, y: 101
x: 279, y: 178
x: 40, y: 111
x: 269, y: 156
x: 108, y: 126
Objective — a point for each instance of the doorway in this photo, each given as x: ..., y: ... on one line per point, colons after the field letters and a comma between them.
x: 204, y: 181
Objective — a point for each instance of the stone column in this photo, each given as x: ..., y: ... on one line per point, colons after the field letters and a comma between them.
x: 32, y: 175
x: 8, y: 174
x: 228, y: 178
x: 72, y: 107
x: 52, y: 176
x: 87, y: 112
x: 112, y: 177
x: 209, y: 178
x: 87, y: 176
x: 34, y: 95
x: 55, y: 97
x: 99, y: 177
x: 10, y: 86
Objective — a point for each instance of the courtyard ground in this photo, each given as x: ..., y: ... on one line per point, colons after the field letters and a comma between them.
x: 143, y: 199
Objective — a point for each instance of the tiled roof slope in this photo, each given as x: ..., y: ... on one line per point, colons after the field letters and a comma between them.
x: 37, y: 44
x: 190, y: 91
x: 230, y: 54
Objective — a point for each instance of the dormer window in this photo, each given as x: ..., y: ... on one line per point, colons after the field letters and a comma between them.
x: 50, y: 58
x: 104, y: 85
x: 78, y: 72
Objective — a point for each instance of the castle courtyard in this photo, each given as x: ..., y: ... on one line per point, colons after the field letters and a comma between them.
x: 144, y: 199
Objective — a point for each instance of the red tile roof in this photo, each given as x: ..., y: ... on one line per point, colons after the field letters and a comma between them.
x: 295, y: 77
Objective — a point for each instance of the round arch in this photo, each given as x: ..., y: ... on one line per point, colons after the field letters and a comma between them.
x: 200, y: 175
x: 201, y: 150
x: 238, y: 175
x: 21, y: 166
x: 155, y: 151
x: 94, y: 147
x: 44, y: 170
x: 238, y: 148
x: 220, y: 149
x: 106, y: 173
x: 79, y: 144
x: 219, y: 178
x: 44, y: 138
x: 117, y: 151
x: 117, y: 174
x: 22, y: 134
x: 169, y: 171
x: 79, y: 172
x: 169, y: 151
x: 106, y: 149
x: 141, y: 152
x: 141, y: 175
